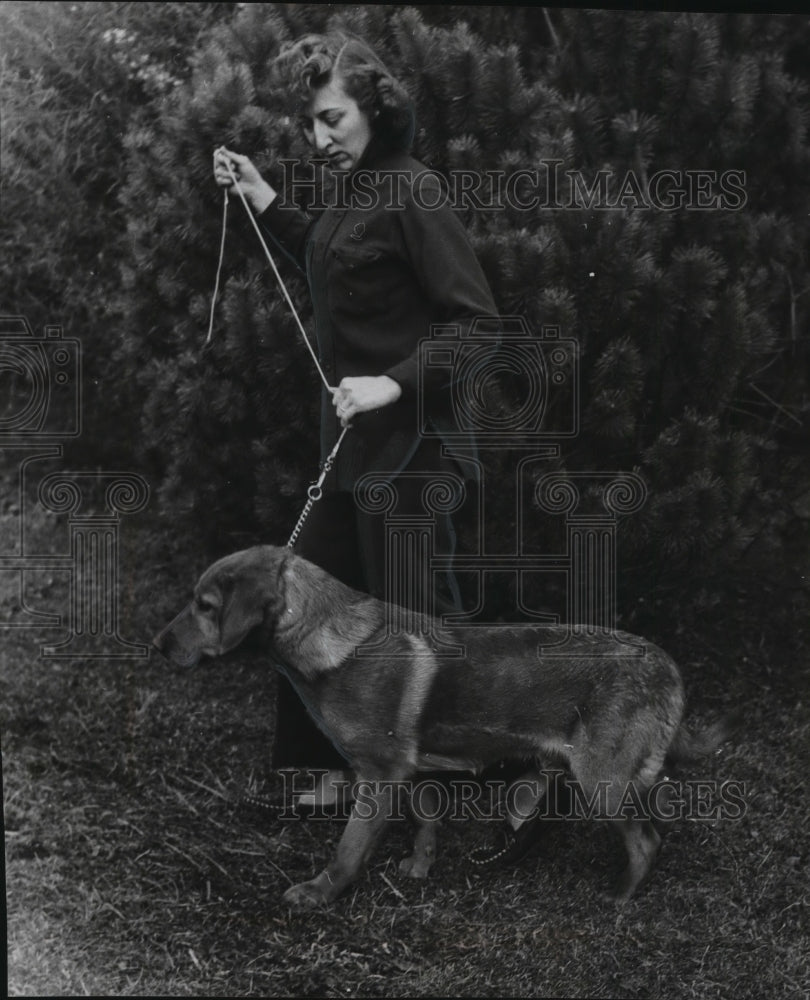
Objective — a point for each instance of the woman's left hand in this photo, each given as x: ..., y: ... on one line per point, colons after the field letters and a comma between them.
x: 361, y: 393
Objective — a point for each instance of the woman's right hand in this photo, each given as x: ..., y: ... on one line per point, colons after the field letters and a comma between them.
x: 255, y: 188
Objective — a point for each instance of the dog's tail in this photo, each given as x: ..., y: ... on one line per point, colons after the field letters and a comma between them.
x: 688, y: 747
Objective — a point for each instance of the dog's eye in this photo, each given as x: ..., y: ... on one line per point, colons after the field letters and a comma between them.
x: 205, y: 606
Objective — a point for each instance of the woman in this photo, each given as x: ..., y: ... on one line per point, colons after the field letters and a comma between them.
x: 382, y: 268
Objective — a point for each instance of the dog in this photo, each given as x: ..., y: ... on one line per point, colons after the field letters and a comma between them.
x: 610, y: 709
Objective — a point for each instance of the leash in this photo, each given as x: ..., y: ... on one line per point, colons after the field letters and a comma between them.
x: 272, y: 263
x: 483, y: 857
x: 315, y: 491
x: 219, y: 265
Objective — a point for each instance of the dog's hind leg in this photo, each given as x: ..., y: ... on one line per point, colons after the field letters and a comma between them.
x: 642, y: 842
x: 613, y: 777
x: 426, y: 806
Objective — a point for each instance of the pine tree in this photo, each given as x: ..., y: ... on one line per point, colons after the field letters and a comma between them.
x: 75, y: 77
x: 689, y: 321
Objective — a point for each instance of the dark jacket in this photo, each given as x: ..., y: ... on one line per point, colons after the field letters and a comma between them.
x: 382, y: 271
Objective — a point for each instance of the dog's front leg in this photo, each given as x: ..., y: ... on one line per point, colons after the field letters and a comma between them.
x: 372, y: 807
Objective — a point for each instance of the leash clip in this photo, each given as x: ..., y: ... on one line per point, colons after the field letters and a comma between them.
x: 314, y: 492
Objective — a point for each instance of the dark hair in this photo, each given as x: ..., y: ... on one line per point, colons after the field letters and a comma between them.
x: 313, y: 61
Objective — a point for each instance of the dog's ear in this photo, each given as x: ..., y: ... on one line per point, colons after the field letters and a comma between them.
x: 251, y: 590
x: 239, y: 613
x: 312, y: 595
x: 302, y: 588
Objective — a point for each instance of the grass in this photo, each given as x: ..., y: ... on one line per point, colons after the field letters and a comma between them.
x: 131, y: 870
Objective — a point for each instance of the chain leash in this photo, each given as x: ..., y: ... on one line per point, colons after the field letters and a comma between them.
x: 315, y: 492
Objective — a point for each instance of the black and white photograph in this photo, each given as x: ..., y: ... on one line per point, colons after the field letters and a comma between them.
x: 405, y: 506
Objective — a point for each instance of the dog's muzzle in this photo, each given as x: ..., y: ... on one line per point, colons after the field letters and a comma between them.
x: 167, y: 644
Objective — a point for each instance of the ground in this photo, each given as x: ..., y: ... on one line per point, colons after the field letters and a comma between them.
x: 132, y: 870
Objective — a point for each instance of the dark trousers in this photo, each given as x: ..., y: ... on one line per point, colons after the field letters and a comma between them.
x: 350, y: 544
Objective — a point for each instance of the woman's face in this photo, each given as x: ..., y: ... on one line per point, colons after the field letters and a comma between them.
x: 335, y: 126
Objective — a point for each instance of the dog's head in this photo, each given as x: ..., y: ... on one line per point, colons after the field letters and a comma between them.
x: 231, y: 598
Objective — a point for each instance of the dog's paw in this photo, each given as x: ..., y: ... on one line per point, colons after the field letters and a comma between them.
x: 305, y: 895
x: 415, y: 867
x: 613, y: 898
